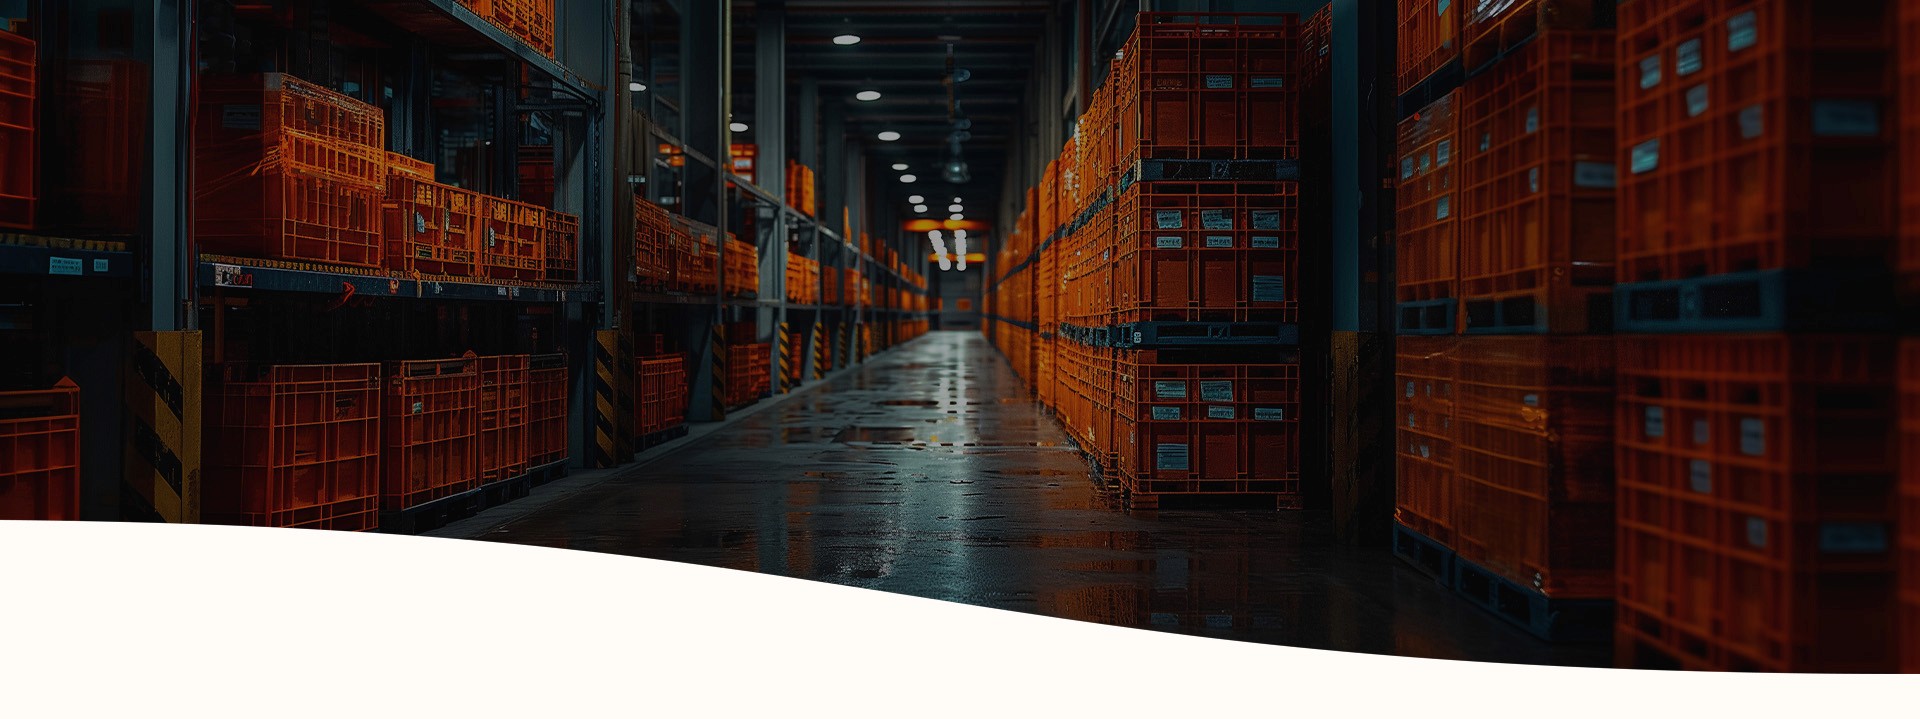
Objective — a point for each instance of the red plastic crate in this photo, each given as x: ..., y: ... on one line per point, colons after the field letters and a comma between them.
x: 237, y: 106
x: 431, y: 426
x: 1217, y: 87
x: 19, y: 139
x: 504, y: 416
x: 425, y: 234
x: 514, y: 242
x: 100, y: 122
x: 1427, y: 232
x: 1197, y: 252
x: 1756, y: 477
x: 1425, y: 371
x: 1428, y: 38
x: 742, y: 275
x: 399, y: 164
x: 1534, y: 491
x: 695, y: 258
x: 1909, y: 516
x: 652, y: 234
x: 536, y: 183
x: 547, y: 389
x: 290, y: 216
x: 1536, y: 231
x: 1207, y: 429
x: 1908, y: 261
x: 293, y: 446
x: 562, y: 253
x: 662, y: 403
x: 1492, y: 28
x: 1754, y: 136
x: 40, y: 453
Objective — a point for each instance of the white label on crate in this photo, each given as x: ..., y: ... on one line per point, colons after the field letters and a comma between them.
x: 1216, y: 391
x: 1170, y: 390
x: 1166, y: 414
x: 1698, y: 100
x: 1269, y: 288
x: 1266, y: 219
x: 419, y: 406
x: 489, y: 237
x: 1413, y: 419
x: 231, y: 276
x: 240, y: 117
x: 1686, y: 58
x: 1219, y: 82
x: 1267, y: 83
x: 1846, y: 118
x: 1702, y: 431
x: 1443, y: 153
x: 1169, y: 219
x: 1410, y: 394
x: 1533, y: 120
x: 100, y: 265
x: 1594, y: 174
x: 1164, y: 619
x: 1217, y: 241
x: 1216, y: 219
x: 1533, y: 180
x: 419, y: 222
x: 1170, y: 456
x: 1646, y: 156
x: 65, y: 266
x: 1700, y: 476
x: 1757, y: 532
x: 1443, y: 207
x: 1270, y: 414
x: 1853, y: 538
x: 1742, y: 31
x: 1267, y: 242
x: 1167, y: 242
x: 1753, y: 437
x: 1219, y: 621
x: 1753, y: 122
x: 1656, y: 422
x: 1426, y: 451
x: 1649, y: 72
x: 1215, y: 411
x: 1530, y: 400
x: 1406, y: 168
x: 1426, y: 163
x: 1486, y: 141
x: 1440, y: 8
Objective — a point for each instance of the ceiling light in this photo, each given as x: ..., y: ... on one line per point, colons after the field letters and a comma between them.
x: 899, y: 166
x: 889, y: 136
x: 919, y: 208
x: 956, y: 200
x: 933, y: 235
x: 847, y: 39
x: 738, y: 127
x: 916, y: 199
x: 957, y: 217
x: 955, y: 208
x: 960, y: 234
x: 908, y: 179
x: 867, y: 95
x: 637, y: 86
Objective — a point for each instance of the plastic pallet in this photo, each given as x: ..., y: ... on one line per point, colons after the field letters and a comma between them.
x: 1759, y: 301
x: 1430, y: 557
x: 1555, y: 620
x: 1192, y: 334
x: 1426, y: 317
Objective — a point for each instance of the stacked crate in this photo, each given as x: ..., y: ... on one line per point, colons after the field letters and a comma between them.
x: 429, y: 425
x: 694, y: 256
x: 529, y: 21
x: 653, y: 245
x: 1757, y: 413
x: 661, y: 404
x: 40, y: 453
x: 297, y: 446
x: 742, y: 272
x: 1908, y: 268
x: 431, y: 228
x: 1428, y: 38
x: 547, y: 389
x: 19, y: 139
x: 504, y: 417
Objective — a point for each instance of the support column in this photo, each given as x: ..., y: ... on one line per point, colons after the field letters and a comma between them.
x: 706, y: 92
x: 770, y: 119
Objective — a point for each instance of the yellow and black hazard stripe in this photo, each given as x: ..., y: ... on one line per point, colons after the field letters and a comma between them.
x: 786, y: 358
x: 843, y: 349
x: 163, y: 382
x: 819, y: 352
x: 609, y: 437
x: 719, y: 384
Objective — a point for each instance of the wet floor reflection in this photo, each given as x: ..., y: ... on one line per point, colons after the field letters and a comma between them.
x: 927, y: 474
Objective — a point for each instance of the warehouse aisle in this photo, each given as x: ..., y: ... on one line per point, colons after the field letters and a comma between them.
x: 928, y: 472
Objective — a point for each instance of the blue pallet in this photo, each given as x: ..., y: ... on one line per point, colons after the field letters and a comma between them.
x: 1526, y: 315
x: 1430, y: 557
x: 1427, y: 91
x: 1555, y: 620
x: 1149, y: 335
x: 1216, y: 171
x: 1851, y: 299
x: 1426, y: 317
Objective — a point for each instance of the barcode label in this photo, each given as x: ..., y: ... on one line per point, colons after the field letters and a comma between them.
x: 1646, y: 157
x: 1215, y: 411
x: 1169, y: 219
x: 1219, y: 241
x: 1216, y: 391
x: 1757, y: 532
x: 1170, y: 456
x: 1649, y: 72
x: 1686, y: 58
x: 1486, y: 141
x: 1846, y: 118
x: 1742, y: 31
x: 419, y: 407
x: 1170, y: 390
x: 1266, y: 219
x: 1753, y: 437
x: 1698, y: 99
x: 1167, y: 242
x: 1219, y: 82
x: 1269, y: 288
x: 1426, y: 163
x: 1533, y: 120
x: 1700, y: 431
x: 1268, y: 242
x: 1753, y: 122
x: 1443, y: 153
x: 1406, y: 168
x: 1270, y: 414
x: 1656, y: 422
x: 1530, y: 400
x: 1593, y: 174
x: 1267, y: 83
x: 1853, y: 538
x: 1700, y: 476
x: 1216, y: 220
x: 1166, y: 414
x: 1443, y: 207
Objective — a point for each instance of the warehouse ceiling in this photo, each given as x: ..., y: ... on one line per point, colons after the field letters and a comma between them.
x: 903, y: 53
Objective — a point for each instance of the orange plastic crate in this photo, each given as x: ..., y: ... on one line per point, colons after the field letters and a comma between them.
x: 1425, y: 371
x: 425, y: 234
x: 1492, y: 28
x: 514, y: 243
x: 663, y: 393
x: 1198, y: 252
x: 562, y: 252
x: 1216, y: 87
x: 100, y: 122
x: 1740, y: 151
x: 291, y: 216
x: 293, y: 446
x: 1206, y: 429
x: 1533, y: 497
x: 547, y: 389
x: 399, y: 164
x: 1428, y: 38
x: 652, y: 235
x: 1426, y: 236
x: 1536, y: 231
x: 1909, y: 516
x: 430, y: 423
x: 1756, y: 494
x: 1908, y: 261
x: 504, y: 417
x: 742, y: 276
x: 19, y: 138
x: 40, y: 453
x: 234, y: 106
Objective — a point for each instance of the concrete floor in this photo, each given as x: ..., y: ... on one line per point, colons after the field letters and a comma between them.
x: 928, y: 472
